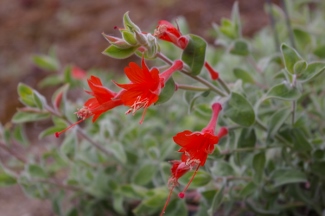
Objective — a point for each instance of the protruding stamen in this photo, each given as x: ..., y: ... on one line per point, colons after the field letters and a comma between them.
x: 138, y: 104
x: 182, y: 194
x: 57, y: 134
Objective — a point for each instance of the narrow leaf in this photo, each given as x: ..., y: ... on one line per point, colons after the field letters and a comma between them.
x: 118, y: 53
x: 290, y: 57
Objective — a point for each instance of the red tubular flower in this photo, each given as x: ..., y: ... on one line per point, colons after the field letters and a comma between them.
x: 145, y: 86
x: 103, y: 100
x: 166, y: 31
x: 195, y: 147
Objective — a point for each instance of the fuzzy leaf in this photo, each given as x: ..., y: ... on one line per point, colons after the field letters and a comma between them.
x: 26, y: 95
x: 194, y: 54
x: 22, y: 117
x: 217, y: 201
x: 118, y: 53
x: 167, y: 92
x: 201, y: 178
x: 277, y: 120
x: 239, y: 110
x: 290, y: 57
x: 243, y: 75
x: 312, y: 70
x: 144, y: 174
x: 6, y: 180
x: 287, y: 176
x: 283, y: 92
x: 240, y: 47
x: 46, y: 62
x: 259, y: 161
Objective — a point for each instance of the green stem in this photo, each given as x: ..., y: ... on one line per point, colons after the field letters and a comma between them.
x: 277, y: 136
x: 12, y: 152
x: 192, y: 88
x: 224, y: 85
x: 272, y: 20
x: 286, y: 14
x: 294, y: 103
x: 187, y: 73
x: 227, y: 152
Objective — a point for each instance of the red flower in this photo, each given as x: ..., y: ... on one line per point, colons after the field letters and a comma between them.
x: 103, y: 100
x: 145, y: 86
x: 195, y: 147
x: 166, y: 31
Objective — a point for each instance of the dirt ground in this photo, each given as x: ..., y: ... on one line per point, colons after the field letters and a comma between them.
x: 74, y: 28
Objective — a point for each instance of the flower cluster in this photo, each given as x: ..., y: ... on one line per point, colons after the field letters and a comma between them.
x: 141, y: 92
x: 144, y: 90
x: 195, y: 148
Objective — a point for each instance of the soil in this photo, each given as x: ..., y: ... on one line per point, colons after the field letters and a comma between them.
x: 73, y: 28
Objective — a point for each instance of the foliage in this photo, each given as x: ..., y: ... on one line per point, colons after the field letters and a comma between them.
x: 272, y: 97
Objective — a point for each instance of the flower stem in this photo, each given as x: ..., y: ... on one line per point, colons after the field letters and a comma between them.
x: 191, y: 88
x: 199, y: 79
x: 12, y: 152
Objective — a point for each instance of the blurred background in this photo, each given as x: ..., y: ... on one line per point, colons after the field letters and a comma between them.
x: 73, y: 28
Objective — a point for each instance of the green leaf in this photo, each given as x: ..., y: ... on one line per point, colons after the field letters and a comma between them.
x: 222, y: 168
x: 249, y: 189
x: 39, y: 99
x: 318, y: 168
x: 277, y: 120
x: 118, y: 151
x: 302, y: 37
x: 46, y: 62
x: 167, y: 92
x: 228, y: 28
x: 133, y: 191
x: 69, y: 144
x: 128, y: 24
x: 23, y: 117
x: 312, y: 70
x: 217, y: 201
x: 26, y: 95
x: 52, y: 80
x: 284, y: 92
x: 118, y: 204
x: 258, y: 165
x: 240, y: 47
x: 235, y: 17
x: 243, y: 75
x: 290, y: 57
x: 118, y: 53
x: 260, y: 211
x: 194, y: 54
x: 36, y: 171
x: 287, y: 176
x: 320, y: 51
x: 239, y: 110
x: 144, y: 174
x: 20, y: 136
x: 300, y: 143
x: 247, y: 138
x: 201, y: 178
x: 299, y: 67
x: 129, y: 38
x: 6, y: 179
